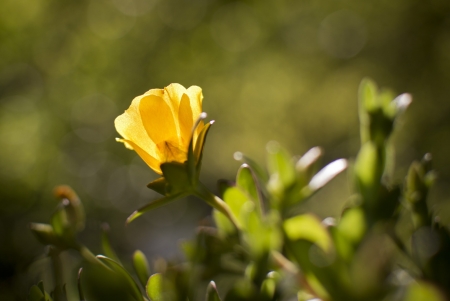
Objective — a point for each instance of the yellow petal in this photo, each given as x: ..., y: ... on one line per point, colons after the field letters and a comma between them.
x: 130, y: 127
x: 186, y: 120
x: 158, y: 119
x: 151, y: 161
x: 196, y: 97
x: 173, y: 94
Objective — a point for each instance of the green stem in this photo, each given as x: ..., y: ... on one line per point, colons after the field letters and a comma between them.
x: 217, y: 203
x: 57, y: 274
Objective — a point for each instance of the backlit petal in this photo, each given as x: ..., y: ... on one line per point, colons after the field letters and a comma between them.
x: 150, y: 160
x: 130, y: 127
x: 173, y: 95
x: 196, y: 97
x: 186, y: 120
x: 157, y: 118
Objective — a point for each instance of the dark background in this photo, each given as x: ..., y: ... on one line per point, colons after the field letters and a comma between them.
x: 270, y: 70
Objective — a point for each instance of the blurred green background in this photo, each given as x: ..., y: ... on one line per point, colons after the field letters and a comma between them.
x: 270, y: 70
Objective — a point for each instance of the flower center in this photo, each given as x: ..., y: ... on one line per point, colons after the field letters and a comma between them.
x: 171, y: 151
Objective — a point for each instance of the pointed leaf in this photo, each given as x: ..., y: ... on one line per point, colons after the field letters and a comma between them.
x: 259, y: 171
x: 155, y: 204
x: 141, y: 267
x: 131, y: 284
x: 327, y: 173
x: 223, y: 224
x: 367, y: 102
x: 246, y: 180
x: 307, y: 164
x: 193, y: 158
x: 199, y: 145
x: 106, y: 244
x: 211, y: 292
x: 280, y: 164
x: 158, y: 185
x: 45, y: 234
x: 235, y: 199
x: 36, y: 294
x: 80, y: 290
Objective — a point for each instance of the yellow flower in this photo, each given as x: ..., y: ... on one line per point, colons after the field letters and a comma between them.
x: 158, y: 124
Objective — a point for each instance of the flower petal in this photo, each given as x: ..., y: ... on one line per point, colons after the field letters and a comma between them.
x: 130, y: 127
x: 186, y: 120
x: 196, y: 97
x: 173, y: 95
x: 158, y: 119
x: 150, y: 160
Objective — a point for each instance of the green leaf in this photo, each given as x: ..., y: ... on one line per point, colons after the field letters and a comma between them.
x: 352, y: 225
x: 106, y: 244
x: 155, y: 204
x: 141, y: 267
x: 308, y: 227
x: 154, y: 287
x: 327, y: 173
x: 159, y: 185
x: 367, y: 102
x: 368, y: 170
x: 423, y: 291
x: 246, y: 180
x: 268, y: 288
x: 193, y: 159
x: 177, y: 177
x: 223, y: 224
x: 211, y: 292
x: 60, y: 222
x: 259, y: 171
x: 199, y: 145
x: 280, y: 165
x: 306, y: 166
x: 235, y: 199
x: 45, y: 234
x: 36, y: 294
x: 130, y: 284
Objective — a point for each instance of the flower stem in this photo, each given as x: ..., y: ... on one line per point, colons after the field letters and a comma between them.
x: 57, y: 274
x: 217, y: 203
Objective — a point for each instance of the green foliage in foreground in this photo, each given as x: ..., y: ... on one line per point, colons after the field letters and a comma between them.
x: 386, y: 245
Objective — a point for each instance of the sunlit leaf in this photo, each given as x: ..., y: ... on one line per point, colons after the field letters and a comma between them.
x: 423, y: 291
x: 307, y: 227
x: 259, y: 171
x: 246, y: 180
x: 235, y: 199
x: 280, y: 163
x: 327, y: 173
x: 154, y: 287
x: 141, y: 267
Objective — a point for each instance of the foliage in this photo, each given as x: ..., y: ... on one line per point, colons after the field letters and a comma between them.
x: 387, y: 243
